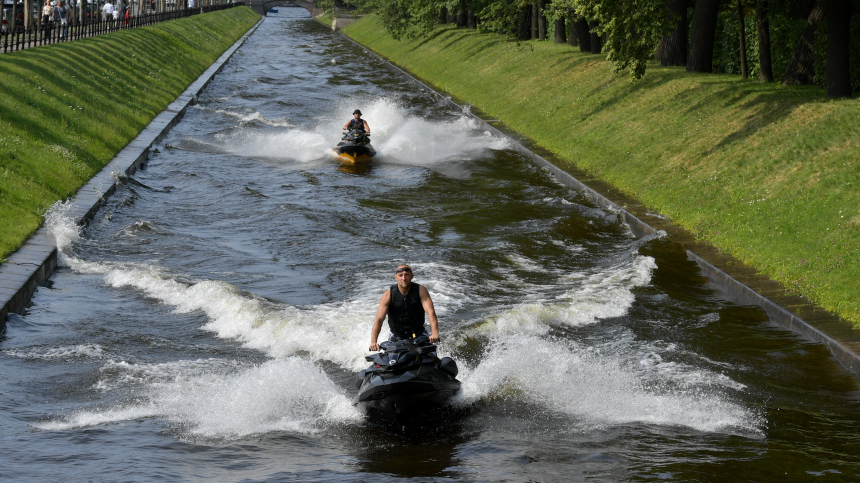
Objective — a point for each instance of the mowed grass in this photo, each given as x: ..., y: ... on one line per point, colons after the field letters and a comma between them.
x: 67, y: 109
x: 764, y: 172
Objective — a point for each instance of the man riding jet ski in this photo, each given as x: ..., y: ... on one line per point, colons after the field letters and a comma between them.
x: 406, y: 379
x: 355, y: 146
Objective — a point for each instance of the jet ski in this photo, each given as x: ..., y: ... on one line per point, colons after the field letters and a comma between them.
x: 354, y: 147
x: 405, y: 380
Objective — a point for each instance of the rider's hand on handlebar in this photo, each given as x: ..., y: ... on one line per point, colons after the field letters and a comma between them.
x: 374, y: 347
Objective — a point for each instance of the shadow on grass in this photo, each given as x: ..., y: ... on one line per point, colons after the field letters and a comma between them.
x: 763, y: 104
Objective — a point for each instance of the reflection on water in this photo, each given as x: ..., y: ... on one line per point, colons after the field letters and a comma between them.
x: 209, y: 323
x: 358, y: 169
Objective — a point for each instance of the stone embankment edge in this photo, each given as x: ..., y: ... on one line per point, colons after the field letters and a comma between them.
x: 32, y: 265
x: 735, y: 290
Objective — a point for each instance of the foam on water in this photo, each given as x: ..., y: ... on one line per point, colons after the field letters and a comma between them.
x: 61, y: 225
x: 280, y: 395
x: 597, y: 388
x: 62, y: 352
x: 586, y: 299
x: 620, y: 383
x: 336, y: 332
x: 397, y: 135
x: 253, y: 116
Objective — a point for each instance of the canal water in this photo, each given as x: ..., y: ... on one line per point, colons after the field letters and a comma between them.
x: 209, y: 323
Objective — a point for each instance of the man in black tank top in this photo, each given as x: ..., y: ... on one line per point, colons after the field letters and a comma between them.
x: 405, y: 304
x: 357, y: 123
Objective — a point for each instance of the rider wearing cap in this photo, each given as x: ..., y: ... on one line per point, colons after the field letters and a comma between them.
x: 405, y: 304
x: 357, y: 123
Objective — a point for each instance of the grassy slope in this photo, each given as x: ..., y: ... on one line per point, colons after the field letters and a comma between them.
x: 67, y: 109
x: 765, y: 172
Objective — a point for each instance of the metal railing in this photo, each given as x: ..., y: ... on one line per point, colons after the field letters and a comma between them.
x: 44, y: 33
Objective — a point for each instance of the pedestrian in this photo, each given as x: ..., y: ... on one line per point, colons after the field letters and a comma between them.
x: 123, y: 12
x: 115, y: 15
x: 47, y: 15
x: 108, y: 10
x: 61, y: 18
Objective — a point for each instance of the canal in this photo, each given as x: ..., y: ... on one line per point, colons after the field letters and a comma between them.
x: 209, y: 322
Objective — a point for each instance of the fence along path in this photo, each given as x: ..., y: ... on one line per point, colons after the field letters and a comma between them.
x: 44, y: 33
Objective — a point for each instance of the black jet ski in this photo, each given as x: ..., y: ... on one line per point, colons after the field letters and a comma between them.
x: 405, y: 380
x: 355, y: 147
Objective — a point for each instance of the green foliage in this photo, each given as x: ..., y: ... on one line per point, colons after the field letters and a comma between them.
x: 501, y: 17
x: 404, y: 18
x: 67, y: 109
x: 633, y: 28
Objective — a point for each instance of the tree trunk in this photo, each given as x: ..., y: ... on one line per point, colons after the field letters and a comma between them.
x: 765, y: 65
x: 742, y: 38
x: 534, y: 19
x: 443, y: 15
x: 838, y: 72
x: 583, y: 34
x: 541, y: 20
x: 673, y: 48
x: 525, y: 20
x: 461, y: 14
x: 572, y: 39
x: 703, y: 35
x: 560, y: 35
x: 594, y: 37
x: 801, y: 67
x: 470, y: 20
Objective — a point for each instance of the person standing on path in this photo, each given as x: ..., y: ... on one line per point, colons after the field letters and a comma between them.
x: 47, y: 16
x: 108, y: 10
x: 61, y: 18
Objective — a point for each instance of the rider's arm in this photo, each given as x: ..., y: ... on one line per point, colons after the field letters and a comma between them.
x: 346, y: 126
x: 431, y: 314
x: 381, y: 312
x: 366, y: 128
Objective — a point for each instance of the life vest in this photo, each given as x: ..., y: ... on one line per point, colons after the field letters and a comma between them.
x: 356, y: 124
x: 405, y: 312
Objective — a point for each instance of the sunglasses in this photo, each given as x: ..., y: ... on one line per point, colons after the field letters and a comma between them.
x: 403, y: 269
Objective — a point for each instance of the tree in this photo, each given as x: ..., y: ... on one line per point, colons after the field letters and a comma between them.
x: 742, y: 38
x: 838, y: 74
x: 583, y: 34
x: 702, y: 36
x: 801, y: 67
x: 765, y: 71
x: 595, y: 36
x: 541, y: 20
x: 632, y: 30
x: 672, y: 49
x: 560, y: 34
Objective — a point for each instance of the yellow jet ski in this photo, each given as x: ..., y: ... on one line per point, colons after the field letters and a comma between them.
x: 354, y: 147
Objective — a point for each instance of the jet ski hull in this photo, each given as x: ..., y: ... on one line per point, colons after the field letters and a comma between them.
x: 404, y: 401
x: 405, y: 381
x: 354, y: 153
